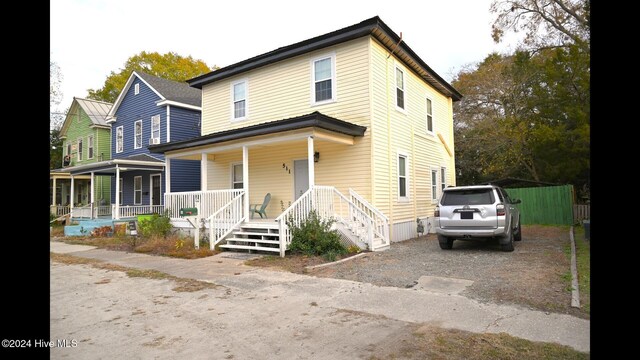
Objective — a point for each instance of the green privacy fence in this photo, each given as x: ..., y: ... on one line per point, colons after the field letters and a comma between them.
x: 548, y: 205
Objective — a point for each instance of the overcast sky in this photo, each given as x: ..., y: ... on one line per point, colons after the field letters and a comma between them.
x: 91, y: 38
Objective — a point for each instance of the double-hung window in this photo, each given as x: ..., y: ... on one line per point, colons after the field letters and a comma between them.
x: 137, y: 190
x: 434, y: 185
x: 155, y: 129
x: 90, y: 147
x: 79, y: 149
x: 402, y: 177
x: 236, y: 177
x: 239, y: 90
x: 429, y: 116
x: 323, y: 89
x: 119, y: 139
x: 137, y: 144
x: 400, y: 89
x: 443, y: 178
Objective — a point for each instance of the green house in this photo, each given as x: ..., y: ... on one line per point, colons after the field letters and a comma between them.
x: 86, y: 139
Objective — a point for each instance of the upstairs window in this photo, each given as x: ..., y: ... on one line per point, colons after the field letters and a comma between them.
x: 155, y: 130
x: 79, y: 149
x: 429, y: 116
x: 136, y: 89
x: 400, y: 89
x: 119, y: 139
x: 89, y: 147
x: 324, y: 79
x: 137, y: 144
x: 239, y: 90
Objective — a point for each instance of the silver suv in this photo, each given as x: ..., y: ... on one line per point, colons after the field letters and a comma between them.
x: 477, y: 212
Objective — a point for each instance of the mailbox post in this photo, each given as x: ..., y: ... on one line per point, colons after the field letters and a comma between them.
x: 191, y: 215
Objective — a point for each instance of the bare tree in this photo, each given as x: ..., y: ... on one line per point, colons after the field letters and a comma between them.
x: 55, y: 96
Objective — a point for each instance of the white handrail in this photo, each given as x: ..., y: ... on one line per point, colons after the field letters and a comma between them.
x: 381, y: 222
x: 293, y: 215
x: 210, y: 201
x: 225, y: 219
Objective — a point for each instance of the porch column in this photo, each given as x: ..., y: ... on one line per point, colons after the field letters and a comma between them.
x: 204, y: 163
x: 312, y: 173
x: 72, y: 193
x: 245, y: 180
x: 167, y: 175
x: 54, y: 193
x: 117, y: 204
x: 93, y: 195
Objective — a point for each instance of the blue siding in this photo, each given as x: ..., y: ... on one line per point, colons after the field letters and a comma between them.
x: 185, y: 124
x: 179, y: 179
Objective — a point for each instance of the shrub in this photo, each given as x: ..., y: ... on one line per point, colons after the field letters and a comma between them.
x: 315, y: 237
x: 157, y: 226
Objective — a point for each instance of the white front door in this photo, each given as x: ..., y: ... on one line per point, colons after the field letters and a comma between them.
x: 300, y: 177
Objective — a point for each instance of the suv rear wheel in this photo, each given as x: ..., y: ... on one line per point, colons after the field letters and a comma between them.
x: 445, y: 242
x: 509, y: 245
x: 518, y: 232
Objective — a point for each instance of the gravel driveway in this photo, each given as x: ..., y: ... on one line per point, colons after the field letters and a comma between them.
x: 534, y: 275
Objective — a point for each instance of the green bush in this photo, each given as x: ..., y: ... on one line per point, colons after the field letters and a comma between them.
x: 315, y: 237
x: 158, y: 225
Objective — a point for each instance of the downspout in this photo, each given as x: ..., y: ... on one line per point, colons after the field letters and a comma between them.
x: 389, y: 149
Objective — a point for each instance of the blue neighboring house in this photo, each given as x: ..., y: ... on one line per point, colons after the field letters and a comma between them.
x: 149, y: 111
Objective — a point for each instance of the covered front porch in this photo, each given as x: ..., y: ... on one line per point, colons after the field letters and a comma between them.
x: 286, y: 166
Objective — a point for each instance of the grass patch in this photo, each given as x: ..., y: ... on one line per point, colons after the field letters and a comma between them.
x: 430, y: 342
x: 295, y: 263
x: 182, y: 284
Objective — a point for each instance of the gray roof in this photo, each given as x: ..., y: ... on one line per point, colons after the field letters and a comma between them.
x: 96, y: 110
x: 142, y: 157
x: 178, y: 91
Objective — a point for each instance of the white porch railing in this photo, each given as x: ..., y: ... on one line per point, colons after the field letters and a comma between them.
x: 225, y: 219
x: 328, y: 202
x: 102, y: 210
x: 59, y: 210
x: 381, y: 222
x: 210, y: 201
x: 133, y: 210
x: 82, y: 211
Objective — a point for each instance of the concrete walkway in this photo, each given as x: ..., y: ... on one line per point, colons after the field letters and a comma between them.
x: 417, y: 305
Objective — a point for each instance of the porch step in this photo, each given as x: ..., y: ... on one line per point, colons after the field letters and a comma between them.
x: 255, y: 233
x: 248, y: 240
x: 257, y: 236
x: 249, y: 247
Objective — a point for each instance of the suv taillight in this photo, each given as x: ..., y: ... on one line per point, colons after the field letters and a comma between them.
x: 436, y: 212
x: 500, y: 211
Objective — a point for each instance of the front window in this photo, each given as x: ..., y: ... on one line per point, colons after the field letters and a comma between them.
x: 323, y: 79
x: 138, y: 134
x: 90, y: 147
x: 79, y: 149
x: 400, y: 89
x: 119, y: 139
x: 155, y: 129
x: 429, y: 116
x: 121, y: 192
x: 434, y: 184
x: 137, y: 190
x: 402, y: 176
x: 236, y: 180
x: 239, y: 100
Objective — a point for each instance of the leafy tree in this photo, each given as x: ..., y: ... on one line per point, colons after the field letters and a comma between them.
x: 55, y: 149
x: 169, y: 66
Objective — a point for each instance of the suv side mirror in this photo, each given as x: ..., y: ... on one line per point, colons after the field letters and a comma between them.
x: 517, y: 201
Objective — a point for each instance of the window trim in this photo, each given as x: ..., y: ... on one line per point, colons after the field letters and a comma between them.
x: 137, y: 145
x: 79, y: 152
x: 90, y: 145
x: 136, y: 190
x: 404, y: 155
x: 121, y: 191
x: 233, y: 182
x: 334, y: 92
x: 426, y: 120
x: 246, y: 99
x: 159, y: 127
x: 136, y: 89
x: 397, y: 68
x: 119, y: 149
x: 434, y: 185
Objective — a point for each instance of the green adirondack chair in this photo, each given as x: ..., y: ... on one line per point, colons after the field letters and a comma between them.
x: 263, y: 207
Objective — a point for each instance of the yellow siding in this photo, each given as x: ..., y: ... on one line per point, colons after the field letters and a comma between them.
x: 397, y: 131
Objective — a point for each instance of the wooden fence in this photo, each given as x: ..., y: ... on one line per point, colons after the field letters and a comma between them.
x: 581, y: 212
x: 547, y: 205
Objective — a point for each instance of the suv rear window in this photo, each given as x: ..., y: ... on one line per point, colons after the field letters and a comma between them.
x: 468, y: 197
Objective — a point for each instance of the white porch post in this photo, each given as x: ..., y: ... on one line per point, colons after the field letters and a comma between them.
x: 72, y: 193
x: 93, y: 192
x: 204, y: 163
x: 53, y: 201
x: 167, y: 176
x: 312, y: 173
x: 117, y: 204
x: 245, y: 180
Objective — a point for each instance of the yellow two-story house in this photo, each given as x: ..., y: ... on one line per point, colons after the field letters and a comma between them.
x: 352, y: 124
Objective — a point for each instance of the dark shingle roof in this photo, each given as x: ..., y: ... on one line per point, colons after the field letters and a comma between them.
x: 178, y: 91
x: 142, y: 157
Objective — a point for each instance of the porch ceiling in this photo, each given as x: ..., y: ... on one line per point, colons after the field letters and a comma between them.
x: 109, y: 167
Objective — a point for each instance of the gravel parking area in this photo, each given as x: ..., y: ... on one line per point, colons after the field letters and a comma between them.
x: 534, y: 275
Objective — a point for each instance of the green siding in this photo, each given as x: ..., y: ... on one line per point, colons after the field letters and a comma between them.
x: 549, y: 205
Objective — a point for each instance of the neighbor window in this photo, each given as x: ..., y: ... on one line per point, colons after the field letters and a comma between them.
x: 121, y: 191
x: 443, y: 178
x: 236, y: 179
x: 137, y: 190
x: 89, y: 147
x: 136, y: 89
x: 155, y: 129
x: 400, y: 88
x: 429, y: 116
x: 79, y: 149
x: 119, y: 139
x: 402, y: 176
x: 239, y: 100
x: 434, y: 184
x: 137, y: 144
x: 323, y: 79
x: 69, y: 149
